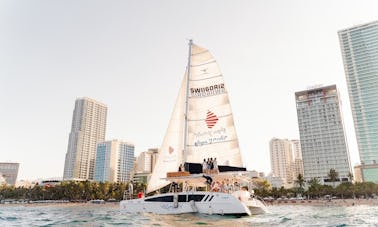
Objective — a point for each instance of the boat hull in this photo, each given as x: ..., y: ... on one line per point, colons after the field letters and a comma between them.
x: 187, y: 202
x: 256, y: 206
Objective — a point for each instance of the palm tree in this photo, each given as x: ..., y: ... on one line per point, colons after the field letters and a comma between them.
x: 350, y: 175
x: 262, y: 187
x: 333, y: 175
x: 314, y: 188
x: 300, y: 182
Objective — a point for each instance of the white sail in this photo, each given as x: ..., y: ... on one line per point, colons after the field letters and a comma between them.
x: 210, y: 128
x: 170, y: 152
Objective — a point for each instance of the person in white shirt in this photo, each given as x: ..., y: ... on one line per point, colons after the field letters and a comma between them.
x: 215, y: 165
x: 131, y: 189
x: 204, y: 166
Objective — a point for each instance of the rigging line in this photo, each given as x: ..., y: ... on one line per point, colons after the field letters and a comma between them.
x: 223, y: 116
x: 206, y: 63
x: 219, y: 75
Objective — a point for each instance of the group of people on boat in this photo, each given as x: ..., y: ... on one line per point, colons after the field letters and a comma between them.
x: 210, y: 166
x: 226, y: 187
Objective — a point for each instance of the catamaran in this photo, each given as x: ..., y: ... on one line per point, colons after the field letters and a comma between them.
x: 201, y: 127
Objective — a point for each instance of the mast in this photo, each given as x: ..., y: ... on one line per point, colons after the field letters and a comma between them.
x: 187, y: 104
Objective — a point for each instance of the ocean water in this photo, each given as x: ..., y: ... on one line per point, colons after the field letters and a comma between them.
x: 110, y: 215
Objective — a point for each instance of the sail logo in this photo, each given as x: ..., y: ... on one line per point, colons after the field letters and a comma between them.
x: 171, y: 150
x: 207, y: 91
x: 211, y: 119
x: 171, y: 156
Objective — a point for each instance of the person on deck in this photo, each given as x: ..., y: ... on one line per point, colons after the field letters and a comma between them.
x: 204, y: 166
x: 131, y: 189
x: 209, y: 180
x: 140, y: 194
x: 211, y: 166
x: 215, y: 164
x: 215, y: 186
x: 223, y: 187
x: 208, y: 166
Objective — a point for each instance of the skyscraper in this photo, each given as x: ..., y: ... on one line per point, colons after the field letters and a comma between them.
x: 322, y: 136
x: 143, y: 162
x: 126, y: 162
x: 146, y: 160
x: 359, y: 48
x: 281, y: 158
x: 114, y: 161
x: 88, y: 128
x: 298, y: 162
x: 8, y: 172
x: 286, y: 160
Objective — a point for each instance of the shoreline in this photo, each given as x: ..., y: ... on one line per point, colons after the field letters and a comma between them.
x: 61, y: 203
x: 311, y: 202
x: 333, y: 202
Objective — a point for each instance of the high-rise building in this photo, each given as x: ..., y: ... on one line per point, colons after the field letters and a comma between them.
x: 321, y: 130
x: 357, y: 174
x: 298, y: 162
x: 296, y: 146
x: 146, y: 160
x: 126, y: 162
x: 114, y: 161
x: 143, y: 163
x: 297, y: 154
x: 154, y: 155
x: 281, y: 158
x: 359, y: 48
x: 8, y: 172
x: 88, y: 128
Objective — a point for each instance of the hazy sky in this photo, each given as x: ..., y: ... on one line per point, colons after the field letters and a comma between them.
x: 131, y: 55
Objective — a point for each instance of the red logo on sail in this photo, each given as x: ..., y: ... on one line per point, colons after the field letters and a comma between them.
x: 171, y: 150
x: 211, y: 119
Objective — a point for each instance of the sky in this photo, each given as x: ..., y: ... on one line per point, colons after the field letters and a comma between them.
x: 131, y: 55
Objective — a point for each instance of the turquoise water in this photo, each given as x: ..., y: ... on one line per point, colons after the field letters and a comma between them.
x: 109, y: 215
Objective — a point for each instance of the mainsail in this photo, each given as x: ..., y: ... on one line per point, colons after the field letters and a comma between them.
x: 210, y: 126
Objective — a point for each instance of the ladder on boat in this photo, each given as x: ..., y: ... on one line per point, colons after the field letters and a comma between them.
x: 127, y: 195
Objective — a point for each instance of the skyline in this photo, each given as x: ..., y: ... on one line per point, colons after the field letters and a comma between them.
x: 132, y: 56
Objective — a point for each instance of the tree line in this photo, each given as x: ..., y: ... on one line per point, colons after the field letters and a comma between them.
x: 313, y: 189
x: 70, y: 190
x: 87, y: 190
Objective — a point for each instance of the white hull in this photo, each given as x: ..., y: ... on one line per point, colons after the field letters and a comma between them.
x: 188, y: 202
x: 256, y: 206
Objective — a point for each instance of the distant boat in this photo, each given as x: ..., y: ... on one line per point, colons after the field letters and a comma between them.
x: 97, y: 201
x: 201, y: 127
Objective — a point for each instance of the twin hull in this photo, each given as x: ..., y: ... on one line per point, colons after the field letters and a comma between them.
x: 187, y: 202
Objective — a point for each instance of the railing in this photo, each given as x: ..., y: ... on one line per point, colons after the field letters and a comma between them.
x: 127, y: 195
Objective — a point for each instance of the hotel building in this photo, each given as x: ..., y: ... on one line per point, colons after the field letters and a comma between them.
x: 88, y: 128
x: 359, y: 48
x: 322, y: 137
x: 114, y: 161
